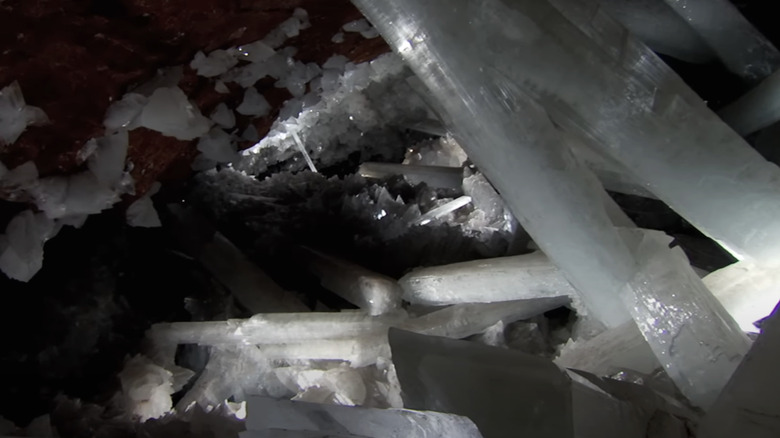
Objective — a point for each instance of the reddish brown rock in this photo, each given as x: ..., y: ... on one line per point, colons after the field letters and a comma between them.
x: 73, y: 58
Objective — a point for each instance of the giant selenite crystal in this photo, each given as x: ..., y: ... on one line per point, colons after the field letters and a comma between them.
x: 625, y: 99
x: 485, y: 89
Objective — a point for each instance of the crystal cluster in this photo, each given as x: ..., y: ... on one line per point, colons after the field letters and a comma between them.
x: 518, y: 117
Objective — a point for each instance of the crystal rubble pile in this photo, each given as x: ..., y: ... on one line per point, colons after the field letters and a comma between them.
x: 160, y: 105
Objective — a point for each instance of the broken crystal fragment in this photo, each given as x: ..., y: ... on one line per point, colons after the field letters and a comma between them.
x: 327, y: 420
x: 216, y: 63
x: 223, y: 116
x: 16, y: 115
x: 21, y: 248
x: 254, y: 104
x: 370, y: 291
x: 146, y: 389
x: 123, y: 113
x: 142, y: 213
x: 338, y: 38
x: 218, y: 146
x: 107, y: 162
x: 20, y: 177
x: 257, y: 51
x: 443, y: 210
x: 171, y: 113
x: 221, y: 88
x: 486, y: 281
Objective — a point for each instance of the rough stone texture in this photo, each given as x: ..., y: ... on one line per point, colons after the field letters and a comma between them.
x: 73, y: 58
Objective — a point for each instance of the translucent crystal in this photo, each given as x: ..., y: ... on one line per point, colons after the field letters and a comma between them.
x: 485, y: 102
x: 216, y: 63
x: 373, y: 292
x: 123, y: 113
x: 142, y: 213
x: 107, y: 162
x: 434, y: 176
x: 486, y: 281
x: 16, y: 115
x: 218, y: 146
x: 757, y: 109
x: 223, y: 116
x: 660, y: 27
x: 327, y: 420
x: 254, y: 104
x: 741, y: 47
x: 171, y: 113
x: 21, y: 248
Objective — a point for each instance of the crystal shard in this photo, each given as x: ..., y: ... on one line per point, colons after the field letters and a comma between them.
x: 16, y: 115
x: 169, y: 112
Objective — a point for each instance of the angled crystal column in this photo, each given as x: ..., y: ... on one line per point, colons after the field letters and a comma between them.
x: 511, y: 140
x: 660, y: 27
x: 610, y: 88
x: 434, y: 176
x: 463, y: 320
x: 373, y: 292
x: 741, y: 47
x: 698, y: 343
x: 757, y: 109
